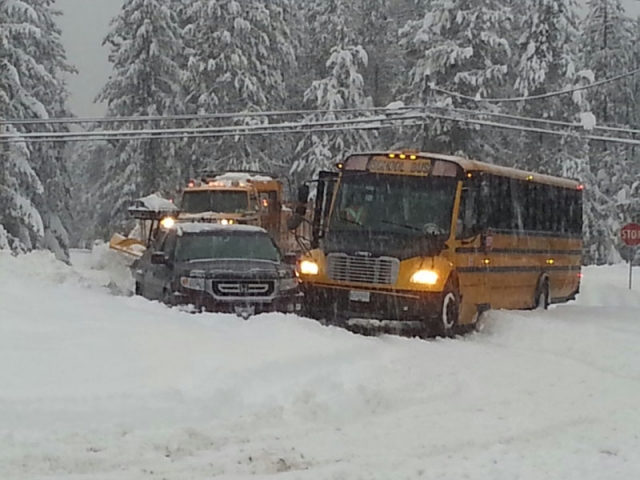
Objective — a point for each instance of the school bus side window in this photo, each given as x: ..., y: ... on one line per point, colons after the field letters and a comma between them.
x: 497, y: 198
x: 467, y: 216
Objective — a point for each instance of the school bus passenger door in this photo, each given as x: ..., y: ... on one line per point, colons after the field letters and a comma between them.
x: 471, y: 255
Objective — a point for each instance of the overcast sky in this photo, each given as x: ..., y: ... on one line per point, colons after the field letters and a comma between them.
x: 84, y: 24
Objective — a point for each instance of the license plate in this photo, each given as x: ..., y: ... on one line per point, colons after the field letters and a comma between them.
x: 356, y: 296
x: 245, y: 311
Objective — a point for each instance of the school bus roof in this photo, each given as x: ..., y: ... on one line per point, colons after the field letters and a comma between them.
x: 468, y: 165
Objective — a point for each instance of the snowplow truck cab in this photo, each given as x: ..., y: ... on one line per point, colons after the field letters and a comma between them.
x: 233, y: 198
x: 240, y: 197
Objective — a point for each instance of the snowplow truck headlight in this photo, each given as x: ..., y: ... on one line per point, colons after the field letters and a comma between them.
x: 308, y: 267
x: 167, y: 223
x: 425, y: 277
x: 193, y: 283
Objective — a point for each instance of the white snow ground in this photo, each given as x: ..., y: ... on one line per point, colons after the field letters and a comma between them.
x: 97, y: 386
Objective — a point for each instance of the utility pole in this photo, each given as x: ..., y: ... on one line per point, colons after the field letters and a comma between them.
x: 4, y: 151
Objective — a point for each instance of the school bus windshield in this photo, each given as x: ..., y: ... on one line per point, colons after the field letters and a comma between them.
x: 379, y: 203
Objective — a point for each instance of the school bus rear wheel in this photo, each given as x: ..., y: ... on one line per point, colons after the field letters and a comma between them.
x: 541, y: 300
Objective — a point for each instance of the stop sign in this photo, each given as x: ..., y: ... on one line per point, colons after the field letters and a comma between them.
x: 630, y: 234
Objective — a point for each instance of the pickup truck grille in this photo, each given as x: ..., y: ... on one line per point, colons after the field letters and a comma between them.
x: 360, y: 269
x: 243, y: 289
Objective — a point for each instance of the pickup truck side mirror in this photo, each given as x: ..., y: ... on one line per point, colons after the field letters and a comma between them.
x: 159, y: 258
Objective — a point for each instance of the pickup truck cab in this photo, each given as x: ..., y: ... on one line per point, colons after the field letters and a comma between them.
x: 219, y: 268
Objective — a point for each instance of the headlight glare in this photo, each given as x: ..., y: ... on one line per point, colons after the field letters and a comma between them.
x: 167, y: 223
x: 309, y: 267
x: 425, y: 277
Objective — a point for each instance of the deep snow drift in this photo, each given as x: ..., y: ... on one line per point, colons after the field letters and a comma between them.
x: 97, y: 386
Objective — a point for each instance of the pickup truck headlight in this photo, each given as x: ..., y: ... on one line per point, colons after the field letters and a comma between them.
x: 193, y: 283
x: 425, y: 277
x: 289, y: 283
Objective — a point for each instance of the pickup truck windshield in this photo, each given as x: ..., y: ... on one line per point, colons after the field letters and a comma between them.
x: 196, y: 247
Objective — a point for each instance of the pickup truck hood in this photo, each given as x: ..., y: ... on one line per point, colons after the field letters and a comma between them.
x: 236, y: 269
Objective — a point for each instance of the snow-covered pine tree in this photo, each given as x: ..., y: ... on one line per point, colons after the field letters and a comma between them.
x: 546, y: 62
x: 48, y: 158
x: 377, y: 33
x: 607, y: 50
x: 460, y: 46
x: 342, y: 88
x: 32, y: 62
x: 338, y: 83
x: 241, y: 52
x: 145, y: 42
x: 89, y: 162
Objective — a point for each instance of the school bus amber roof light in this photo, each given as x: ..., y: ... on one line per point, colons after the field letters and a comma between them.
x: 425, y: 277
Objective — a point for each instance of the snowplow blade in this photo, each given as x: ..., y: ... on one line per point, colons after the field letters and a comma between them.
x: 129, y: 246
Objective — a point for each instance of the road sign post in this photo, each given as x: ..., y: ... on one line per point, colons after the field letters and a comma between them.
x: 630, y: 235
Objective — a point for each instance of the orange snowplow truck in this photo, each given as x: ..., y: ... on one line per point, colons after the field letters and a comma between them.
x: 240, y: 197
x: 229, y: 198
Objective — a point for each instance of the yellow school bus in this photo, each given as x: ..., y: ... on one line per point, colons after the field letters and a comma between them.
x: 412, y: 242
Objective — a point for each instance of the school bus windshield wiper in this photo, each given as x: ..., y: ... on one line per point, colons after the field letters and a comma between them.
x: 409, y: 227
x: 351, y: 222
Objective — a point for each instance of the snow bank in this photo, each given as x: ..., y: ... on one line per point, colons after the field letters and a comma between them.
x: 104, y: 387
x: 100, y: 269
x: 609, y: 287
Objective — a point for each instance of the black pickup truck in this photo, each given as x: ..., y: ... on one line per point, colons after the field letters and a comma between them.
x: 218, y: 268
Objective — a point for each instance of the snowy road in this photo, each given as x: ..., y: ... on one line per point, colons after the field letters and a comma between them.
x: 96, y: 386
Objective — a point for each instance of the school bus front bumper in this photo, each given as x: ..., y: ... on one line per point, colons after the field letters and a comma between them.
x: 364, y: 309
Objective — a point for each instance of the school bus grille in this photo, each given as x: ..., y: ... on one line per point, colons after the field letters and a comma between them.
x: 359, y: 269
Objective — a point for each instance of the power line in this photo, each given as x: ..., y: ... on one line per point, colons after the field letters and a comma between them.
x: 627, y: 141
x: 392, y: 110
x: 189, y: 135
x: 229, y: 130
x: 535, y: 120
x: 536, y: 97
x: 206, y: 116
x: 368, y: 123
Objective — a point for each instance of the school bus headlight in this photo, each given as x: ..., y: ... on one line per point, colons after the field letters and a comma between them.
x: 307, y: 267
x: 425, y: 277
